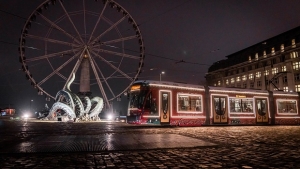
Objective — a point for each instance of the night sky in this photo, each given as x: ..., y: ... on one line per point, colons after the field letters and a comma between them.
x: 181, y: 37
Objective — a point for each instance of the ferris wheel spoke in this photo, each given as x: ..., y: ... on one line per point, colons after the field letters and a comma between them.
x: 51, y: 40
x: 77, y: 64
x: 71, y: 20
x: 110, y: 28
x: 104, y: 79
x: 59, y: 28
x: 114, y: 67
x: 84, y: 21
x: 98, y: 80
x: 99, y: 18
x: 117, y: 53
x: 51, y: 55
x: 116, y: 40
x: 62, y: 76
x: 56, y: 70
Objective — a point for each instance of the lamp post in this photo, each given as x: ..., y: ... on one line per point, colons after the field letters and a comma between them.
x: 30, y: 105
x: 160, y: 75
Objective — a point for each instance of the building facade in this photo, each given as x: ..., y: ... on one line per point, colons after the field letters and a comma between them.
x: 273, y: 64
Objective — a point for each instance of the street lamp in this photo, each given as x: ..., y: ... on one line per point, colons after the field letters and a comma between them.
x: 160, y: 75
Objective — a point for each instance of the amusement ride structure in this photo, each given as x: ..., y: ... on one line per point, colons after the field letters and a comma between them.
x: 97, y: 41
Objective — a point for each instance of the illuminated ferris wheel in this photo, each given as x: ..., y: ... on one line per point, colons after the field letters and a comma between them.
x: 99, y: 41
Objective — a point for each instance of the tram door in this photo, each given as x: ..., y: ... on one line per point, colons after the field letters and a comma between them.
x: 220, y: 111
x: 165, y: 107
x: 262, y: 112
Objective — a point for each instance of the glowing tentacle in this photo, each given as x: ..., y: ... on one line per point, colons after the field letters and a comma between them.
x: 58, y: 105
x: 88, y: 104
x: 97, y: 109
x: 67, y: 96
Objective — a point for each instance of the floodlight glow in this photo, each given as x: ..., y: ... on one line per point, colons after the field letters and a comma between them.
x: 26, y: 116
x: 109, y: 116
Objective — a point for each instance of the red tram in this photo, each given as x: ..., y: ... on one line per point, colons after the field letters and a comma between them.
x: 168, y: 103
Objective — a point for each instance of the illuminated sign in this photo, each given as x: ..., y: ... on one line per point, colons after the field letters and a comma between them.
x: 135, y: 87
x: 240, y: 96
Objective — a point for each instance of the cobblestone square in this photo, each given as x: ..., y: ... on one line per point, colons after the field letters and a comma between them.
x: 234, y: 146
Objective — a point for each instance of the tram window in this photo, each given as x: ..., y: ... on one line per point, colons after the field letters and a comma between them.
x: 148, y: 101
x: 286, y: 106
x: 134, y: 100
x: 241, y: 105
x: 137, y: 99
x: 190, y: 103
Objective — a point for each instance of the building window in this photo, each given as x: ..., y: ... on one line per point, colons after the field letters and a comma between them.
x: 215, y: 84
x: 282, y: 58
x: 244, y: 77
x: 245, y: 85
x: 251, y: 76
x: 266, y: 72
x: 256, y: 56
x: 296, y: 65
x: 227, y: 81
x: 219, y: 83
x: 282, y: 47
x: 238, y: 78
x: 258, y: 74
x: 258, y: 83
x: 251, y: 84
x: 297, y: 77
x: 265, y: 54
x: 274, y: 61
x: 294, y: 55
x: 232, y: 80
x: 285, y: 89
x: 238, y: 85
x: 273, y: 51
x: 275, y: 80
x: 284, y: 79
x: 267, y: 82
x: 249, y: 68
x: 283, y: 68
x: 249, y: 58
x: 297, y: 87
x: 293, y: 43
x: 274, y: 70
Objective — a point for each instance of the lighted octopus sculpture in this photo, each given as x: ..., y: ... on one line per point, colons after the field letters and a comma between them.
x: 69, y: 105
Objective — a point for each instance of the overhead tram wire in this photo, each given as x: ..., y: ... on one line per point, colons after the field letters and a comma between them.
x: 163, y: 57
x: 158, y: 15
x: 142, y: 23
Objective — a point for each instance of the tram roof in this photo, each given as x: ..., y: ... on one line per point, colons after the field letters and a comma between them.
x: 212, y: 88
x: 170, y: 84
x: 228, y: 89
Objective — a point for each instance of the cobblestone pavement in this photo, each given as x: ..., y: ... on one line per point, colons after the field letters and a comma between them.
x: 237, y: 147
